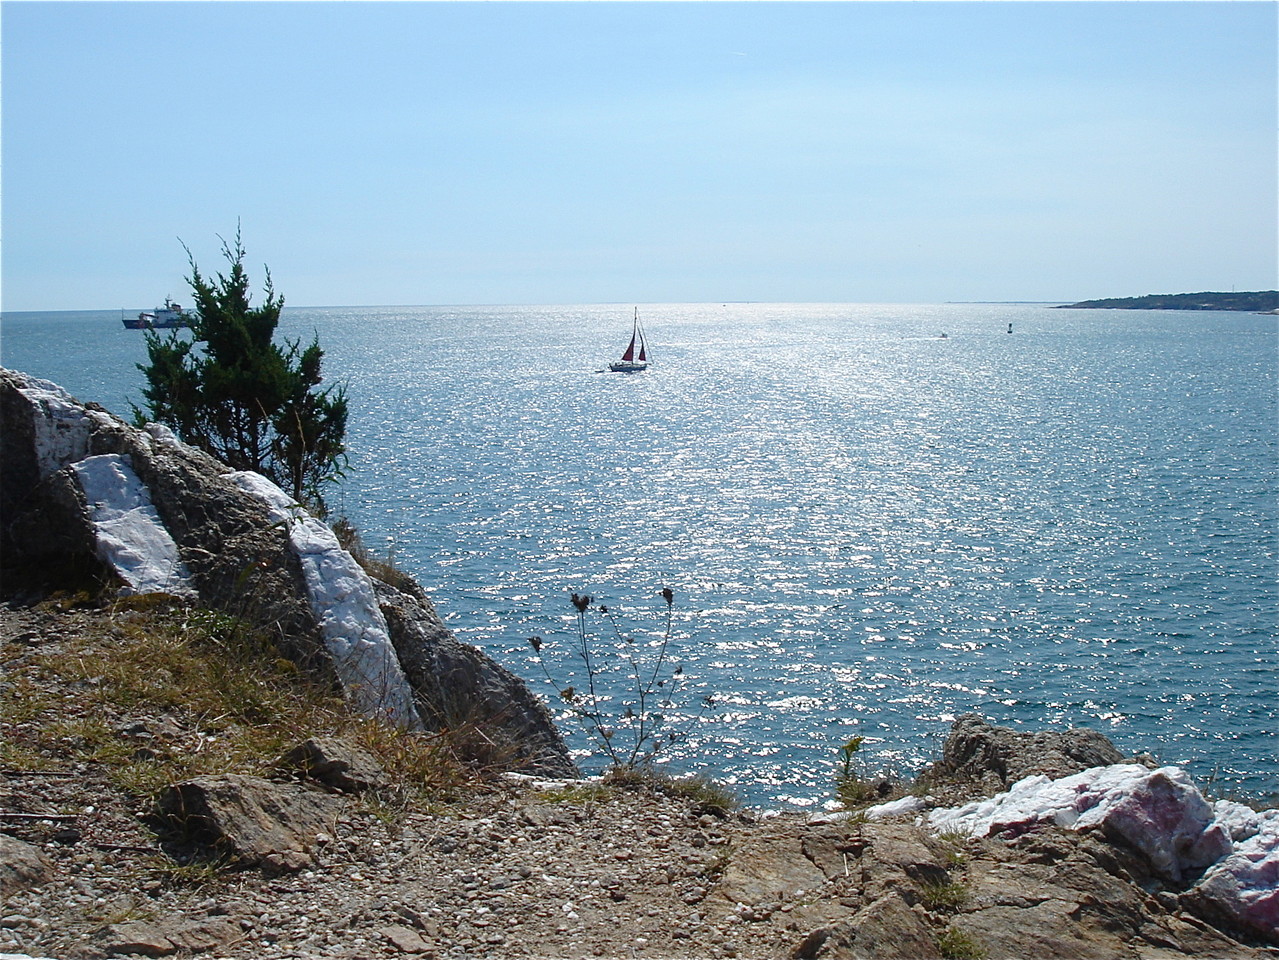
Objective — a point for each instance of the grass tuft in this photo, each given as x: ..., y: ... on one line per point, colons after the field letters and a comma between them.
x: 955, y: 944
x: 579, y: 794
x: 943, y: 894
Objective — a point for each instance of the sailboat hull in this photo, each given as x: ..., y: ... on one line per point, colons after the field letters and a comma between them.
x: 628, y: 366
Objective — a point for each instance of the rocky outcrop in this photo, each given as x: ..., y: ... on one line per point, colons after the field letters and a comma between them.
x: 87, y: 499
x: 985, y: 758
x: 459, y: 689
x: 1219, y: 861
x: 892, y: 889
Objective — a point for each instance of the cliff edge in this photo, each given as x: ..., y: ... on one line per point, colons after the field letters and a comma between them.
x: 87, y: 500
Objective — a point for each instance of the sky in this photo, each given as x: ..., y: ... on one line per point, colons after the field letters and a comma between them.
x: 541, y: 153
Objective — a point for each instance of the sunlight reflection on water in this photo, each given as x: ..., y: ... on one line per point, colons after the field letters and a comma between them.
x: 868, y: 528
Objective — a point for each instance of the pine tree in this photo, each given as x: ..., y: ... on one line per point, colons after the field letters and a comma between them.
x: 231, y: 390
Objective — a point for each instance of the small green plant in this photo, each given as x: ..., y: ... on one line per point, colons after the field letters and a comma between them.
x: 952, y: 847
x: 122, y: 913
x: 706, y: 795
x: 943, y: 894
x: 850, y: 788
x: 631, y: 733
x: 954, y: 944
x: 198, y: 873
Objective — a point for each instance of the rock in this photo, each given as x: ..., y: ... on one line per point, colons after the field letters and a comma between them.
x: 996, y: 757
x: 255, y: 821
x: 459, y: 688
x: 770, y: 865
x: 1059, y: 894
x: 88, y: 500
x: 888, y: 929
x: 406, y: 939
x: 343, y: 601
x: 22, y: 866
x: 1159, y: 813
x: 236, y: 560
x: 164, y: 938
x: 1229, y: 852
x: 1242, y: 888
x: 337, y: 764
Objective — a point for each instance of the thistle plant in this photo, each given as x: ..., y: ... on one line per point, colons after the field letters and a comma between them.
x: 631, y: 731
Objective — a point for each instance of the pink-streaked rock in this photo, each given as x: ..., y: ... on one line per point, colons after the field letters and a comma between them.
x: 1159, y: 812
x: 1244, y: 885
x: 1232, y: 849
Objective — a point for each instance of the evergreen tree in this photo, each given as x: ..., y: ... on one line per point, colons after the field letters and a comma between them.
x: 232, y: 391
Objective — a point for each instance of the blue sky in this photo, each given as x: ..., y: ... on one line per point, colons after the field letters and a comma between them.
x: 433, y: 153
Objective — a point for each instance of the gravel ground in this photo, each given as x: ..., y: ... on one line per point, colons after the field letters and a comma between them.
x: 507, y: 872
x: 512, y: 875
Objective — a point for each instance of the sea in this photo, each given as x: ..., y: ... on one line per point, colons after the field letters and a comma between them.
x: 871, y: 518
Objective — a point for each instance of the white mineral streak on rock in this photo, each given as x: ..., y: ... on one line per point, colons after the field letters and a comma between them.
x: 1160, y: 812
x: 162, y: 435
x: 342, y: 598
x: 130, y: 535
x: 62, y: 425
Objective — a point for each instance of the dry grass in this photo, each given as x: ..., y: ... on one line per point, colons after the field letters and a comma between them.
x: 153, y: 692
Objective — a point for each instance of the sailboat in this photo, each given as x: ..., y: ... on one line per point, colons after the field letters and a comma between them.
x: 636, y: 356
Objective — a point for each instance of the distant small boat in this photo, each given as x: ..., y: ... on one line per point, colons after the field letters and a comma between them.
x: 169, y: 316
x: 633, y: 361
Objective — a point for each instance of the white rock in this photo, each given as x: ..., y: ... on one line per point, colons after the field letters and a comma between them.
x: 130, y: 535
x: 62, y: 427
x: 1240, y: 821
x: 342, y: 598
x: 1160, y: 812
x: 162, y: 435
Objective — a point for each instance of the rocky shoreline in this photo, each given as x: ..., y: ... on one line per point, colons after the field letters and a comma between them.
x: 223, y: 736
x: 516, y: 867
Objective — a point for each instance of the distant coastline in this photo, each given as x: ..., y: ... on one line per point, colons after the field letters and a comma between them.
x: 1259, y: 301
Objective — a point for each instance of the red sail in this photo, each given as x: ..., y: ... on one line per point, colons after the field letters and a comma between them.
x: 629, y: 355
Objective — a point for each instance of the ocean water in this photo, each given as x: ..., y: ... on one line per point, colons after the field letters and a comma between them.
x: 869, y: 527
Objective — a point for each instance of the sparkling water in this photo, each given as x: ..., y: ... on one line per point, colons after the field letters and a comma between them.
x: 873, y: 518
